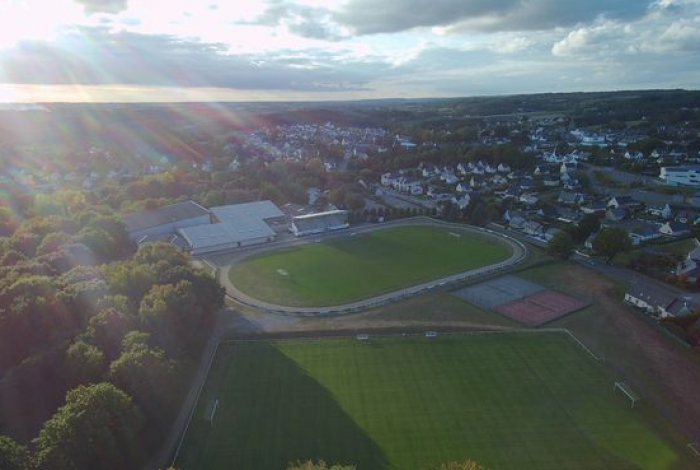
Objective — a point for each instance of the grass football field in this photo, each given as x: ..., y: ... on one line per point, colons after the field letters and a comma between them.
x: 346, y: 269
x: 512, y: 401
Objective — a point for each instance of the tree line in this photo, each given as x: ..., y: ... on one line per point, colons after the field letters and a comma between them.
x: 96, y: 338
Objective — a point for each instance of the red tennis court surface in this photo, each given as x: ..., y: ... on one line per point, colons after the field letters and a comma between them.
x: 540, y: 308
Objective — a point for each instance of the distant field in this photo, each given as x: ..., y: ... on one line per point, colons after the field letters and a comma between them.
x: 512, y: 401
x: 346, y: 269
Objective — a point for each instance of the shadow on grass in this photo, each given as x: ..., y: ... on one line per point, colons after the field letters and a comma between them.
x: 271, y: 413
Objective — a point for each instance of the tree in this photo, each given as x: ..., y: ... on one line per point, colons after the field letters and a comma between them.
x: 148, y: 376
x: 96, y: 429
x: 85, y: 362
x: 135, y: 339
x: 354, y: 201
x: 611, y: 241
x: 588, y: 225
x: 561, y: 245
x: 320, y: 465
x: 13, y: 456
x: 174, y: 316
x: 130, y: 279
x: 107, y: 329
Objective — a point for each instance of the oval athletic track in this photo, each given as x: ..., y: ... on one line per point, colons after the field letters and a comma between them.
x: 518, y: 254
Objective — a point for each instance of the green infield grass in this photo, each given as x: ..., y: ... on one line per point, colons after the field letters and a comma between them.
x: 346, y: 269
x: 512, y: 401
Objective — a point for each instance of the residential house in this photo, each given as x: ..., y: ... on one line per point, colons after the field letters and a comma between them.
x: 569, y: 216
x: 463, y: 188
x: 464, y: 169
x: 682, y: 306
x: 533, y: 228
x: 634, y: 156
x: 430, y: 171
x: 568, y: 167
x: 642, y: 233
x: 389, y: 179
x: 516, y: 220
x: 449, y: 178
x: 694, y: 200
x: 615, y: 215
x: 513, y: 192
x: 548, y: 212
x: 571, y: 199
x: 571, y: 184
x: 499, y: 180
x: 462, y: 201
x: 595, y: 207
x: 566, y: 179
x: 690, y: 266
x: 529, y: 199
x: 687, y: 217
x: 410, y: 185
x: 551, y: 233
x: 623, y: 202
x: 503, y: 168
x: 543, y: 169
x: 650, y: 297
x: 662, y: 211
x: 476, y: 182
x: 551, y: 180
x: 675, y: 229
x: 510, y: 214
x: 526, y: 184
x: 589, y: 241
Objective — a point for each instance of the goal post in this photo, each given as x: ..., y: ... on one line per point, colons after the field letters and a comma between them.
x: 627, y: 391
x: 212, y: 408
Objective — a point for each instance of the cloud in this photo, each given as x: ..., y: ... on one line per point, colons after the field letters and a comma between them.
x: 671, y: 27
x: 303, y: 20
x: 104, y: 6
x: 596, y: 39
x: 94, y: 56
x: 389, y: 16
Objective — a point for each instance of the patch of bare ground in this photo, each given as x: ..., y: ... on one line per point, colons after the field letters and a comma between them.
x: 665, y: 372
x: 432, y: 311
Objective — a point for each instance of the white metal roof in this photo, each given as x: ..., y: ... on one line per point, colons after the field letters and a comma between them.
x: 260, y: 210
x: 245, y: 229
x: 319, y: 215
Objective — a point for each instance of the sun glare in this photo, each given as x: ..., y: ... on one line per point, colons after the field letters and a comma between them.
x: 35, y: 20
x: 9, y: 94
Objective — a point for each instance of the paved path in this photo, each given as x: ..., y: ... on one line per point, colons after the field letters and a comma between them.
x: 519, y: 253
x: 171, y: 445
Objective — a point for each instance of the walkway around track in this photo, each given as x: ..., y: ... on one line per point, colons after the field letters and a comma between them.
x: 519, y: 254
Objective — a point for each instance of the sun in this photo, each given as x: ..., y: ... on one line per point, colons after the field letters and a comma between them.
x: 10, y: 94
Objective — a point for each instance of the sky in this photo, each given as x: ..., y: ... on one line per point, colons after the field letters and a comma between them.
x: 292, y: 50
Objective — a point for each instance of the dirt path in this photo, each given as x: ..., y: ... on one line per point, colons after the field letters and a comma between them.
x: 668, y: 372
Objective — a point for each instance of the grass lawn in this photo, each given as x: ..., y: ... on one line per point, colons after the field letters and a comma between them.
x: 347, y: 269
x: 512, y: 401
x: 679, y: 248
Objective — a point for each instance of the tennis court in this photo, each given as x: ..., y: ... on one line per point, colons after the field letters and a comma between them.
x: 499, y: 291
x: 540, y: 308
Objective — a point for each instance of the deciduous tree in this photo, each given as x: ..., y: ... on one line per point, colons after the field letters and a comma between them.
x: 611, y: 241
x: 96, y: 429
x: 561, y: 245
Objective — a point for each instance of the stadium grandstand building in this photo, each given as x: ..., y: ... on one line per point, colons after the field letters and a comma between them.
x: 162, y: 223
x: 321, y: 222
x: 235, y: 226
